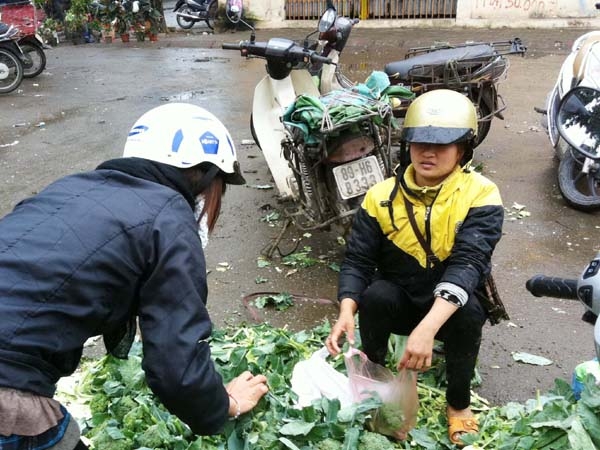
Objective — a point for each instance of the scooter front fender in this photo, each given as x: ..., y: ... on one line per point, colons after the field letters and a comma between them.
x: 271, y: 99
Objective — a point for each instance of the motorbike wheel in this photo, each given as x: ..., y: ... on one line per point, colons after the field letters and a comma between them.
x: 580, y: 190
x: 184, y: 23
x: 483, y: 126
x: 11, y: 71
x: 37, y: 56
x: 211, y: 17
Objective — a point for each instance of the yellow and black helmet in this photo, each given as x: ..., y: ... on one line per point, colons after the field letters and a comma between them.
x: 441, y: 116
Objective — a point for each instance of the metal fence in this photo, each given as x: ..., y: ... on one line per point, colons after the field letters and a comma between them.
x: 373, y: 9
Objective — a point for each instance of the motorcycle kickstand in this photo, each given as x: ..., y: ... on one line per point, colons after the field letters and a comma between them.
x: 275, y: 244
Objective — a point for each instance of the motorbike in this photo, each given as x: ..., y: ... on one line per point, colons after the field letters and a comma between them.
x: 472, y: 68
x: 188, y: 12
x: 322, y: 157
x: 586, y: 289
x: 12, y: 59
x: 571, y: 136
x: 33, y: 47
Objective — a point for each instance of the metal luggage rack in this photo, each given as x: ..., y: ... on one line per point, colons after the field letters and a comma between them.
x: 510, y: 47
x: 480, y: 68
x: 459, y: 73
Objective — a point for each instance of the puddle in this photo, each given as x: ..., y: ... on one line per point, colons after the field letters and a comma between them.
x: 184, y: 96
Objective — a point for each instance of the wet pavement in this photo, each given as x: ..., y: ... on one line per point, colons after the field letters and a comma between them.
x: 77, y: 114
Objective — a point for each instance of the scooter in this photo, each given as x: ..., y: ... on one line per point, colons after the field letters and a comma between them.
x: 322, y: 161
x: 11, y: 59
x: 188, y: 12
x: 579, y: 167
x: 586, y: 289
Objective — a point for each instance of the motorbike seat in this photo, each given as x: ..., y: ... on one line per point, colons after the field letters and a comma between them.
x: 402, y: 69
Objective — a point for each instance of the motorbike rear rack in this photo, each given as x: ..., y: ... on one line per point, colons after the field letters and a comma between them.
x: 510, y: 47
x: 485, y: 64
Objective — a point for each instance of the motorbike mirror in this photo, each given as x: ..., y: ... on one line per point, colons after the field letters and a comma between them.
x: 579, y: 120
x: 327, y: 20
x: 233, y: 10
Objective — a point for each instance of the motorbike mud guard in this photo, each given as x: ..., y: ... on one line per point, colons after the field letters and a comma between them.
x: 179, y: 4
x: 271, y: 99
x: 551, y: 113
x: 489, y: 95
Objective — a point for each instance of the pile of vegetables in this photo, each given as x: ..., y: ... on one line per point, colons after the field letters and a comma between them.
x: 125, y: 415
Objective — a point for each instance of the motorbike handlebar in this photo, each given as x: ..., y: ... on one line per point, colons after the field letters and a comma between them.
x: 293, y: 54
x: 315, y: 58
x: 226, y: 46
x: 544, y: 286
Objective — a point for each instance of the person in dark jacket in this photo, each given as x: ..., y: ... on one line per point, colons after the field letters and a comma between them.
x: 97, y: 253
x: 420, y: 250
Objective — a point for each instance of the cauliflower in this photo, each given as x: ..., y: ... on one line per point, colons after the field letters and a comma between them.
x: 374, y: 441
x: 390, y: 416
x: 122, y: 406
x: 153, y: 437
x: 329, y: 444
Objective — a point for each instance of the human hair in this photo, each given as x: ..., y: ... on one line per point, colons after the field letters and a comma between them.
x: 212, y: 192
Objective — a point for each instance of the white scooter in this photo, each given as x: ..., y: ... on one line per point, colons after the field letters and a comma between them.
x: 578, y: 172
x: 323, y: 171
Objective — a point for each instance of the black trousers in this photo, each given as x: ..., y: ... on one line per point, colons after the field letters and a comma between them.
x: 386, y: 309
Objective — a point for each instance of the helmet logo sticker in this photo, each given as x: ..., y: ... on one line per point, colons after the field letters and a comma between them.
x: 435, y: 111
x: 210, y: 143
x: 138, y: 130
x: 177, y: 140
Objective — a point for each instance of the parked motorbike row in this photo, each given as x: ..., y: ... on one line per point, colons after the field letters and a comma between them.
x: 572, y: 120
x: 323, y: 161
x: 21, y: 56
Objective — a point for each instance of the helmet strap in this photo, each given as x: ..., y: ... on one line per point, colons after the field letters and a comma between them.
x: 208, y: 177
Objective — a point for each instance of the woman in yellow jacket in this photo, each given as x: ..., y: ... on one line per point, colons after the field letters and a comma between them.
x: 420, y: 250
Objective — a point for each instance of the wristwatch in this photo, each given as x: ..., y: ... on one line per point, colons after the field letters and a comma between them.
x: 448, y: 296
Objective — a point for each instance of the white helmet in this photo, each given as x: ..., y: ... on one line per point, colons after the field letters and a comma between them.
x: 184, y: 135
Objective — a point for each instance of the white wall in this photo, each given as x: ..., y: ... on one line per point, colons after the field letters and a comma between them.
x: 470, y: 13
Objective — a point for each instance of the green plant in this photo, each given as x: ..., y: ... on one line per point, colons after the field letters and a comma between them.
x: 123, y: 21
x: 75, y: 23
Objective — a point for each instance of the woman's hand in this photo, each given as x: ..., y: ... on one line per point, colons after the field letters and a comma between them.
x: 419, y: 350
x: 244, y: 392
x: 419, y: 345
x: 343, y: 326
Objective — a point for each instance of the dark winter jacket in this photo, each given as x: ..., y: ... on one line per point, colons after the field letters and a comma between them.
x: 83, y: 256
x: 462, y: 225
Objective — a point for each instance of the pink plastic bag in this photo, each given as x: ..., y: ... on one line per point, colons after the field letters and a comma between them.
x: 398, y: 414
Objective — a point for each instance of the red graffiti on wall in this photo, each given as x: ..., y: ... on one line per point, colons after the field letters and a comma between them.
x: 535, y: 6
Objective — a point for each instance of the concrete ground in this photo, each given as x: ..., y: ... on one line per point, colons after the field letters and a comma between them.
x: 78, y: 112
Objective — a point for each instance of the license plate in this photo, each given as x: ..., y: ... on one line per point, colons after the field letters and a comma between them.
x: 356, y: 177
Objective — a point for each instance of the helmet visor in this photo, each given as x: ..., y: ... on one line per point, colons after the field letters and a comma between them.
x: 436, y: 135
x: 236, y: 176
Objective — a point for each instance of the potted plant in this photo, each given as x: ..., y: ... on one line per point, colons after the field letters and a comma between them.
x: 49, y: 31
x: 123, y: 23
x: 154, y: 17
x: 75, y: 27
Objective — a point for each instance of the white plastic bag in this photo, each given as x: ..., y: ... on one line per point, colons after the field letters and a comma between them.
x: 315, y: 378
